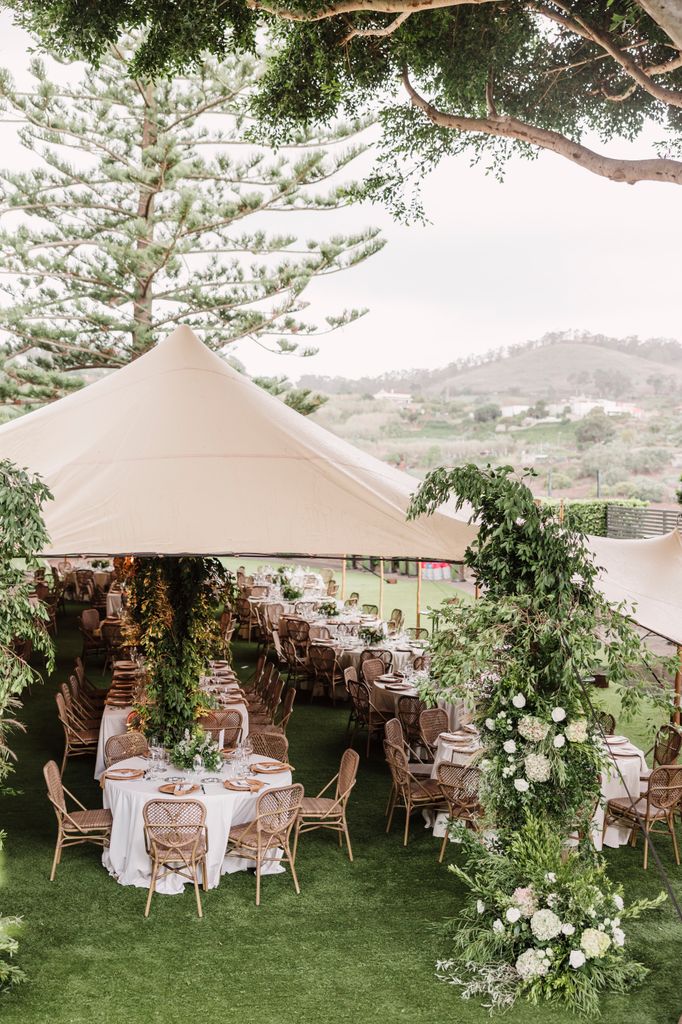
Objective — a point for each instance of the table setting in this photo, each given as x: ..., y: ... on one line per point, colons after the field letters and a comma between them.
x: 228, y: 792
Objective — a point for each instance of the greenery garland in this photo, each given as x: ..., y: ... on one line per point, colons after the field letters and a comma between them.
x: 171, y: 610
x: 520, y: 657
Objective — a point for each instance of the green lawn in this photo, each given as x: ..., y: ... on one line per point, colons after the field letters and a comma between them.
x: 358, y: 944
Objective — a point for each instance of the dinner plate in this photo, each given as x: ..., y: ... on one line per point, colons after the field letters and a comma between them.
x: 124, y: 774
x: 243, y: 785
x: 269, y: 767
x: 178, y: 788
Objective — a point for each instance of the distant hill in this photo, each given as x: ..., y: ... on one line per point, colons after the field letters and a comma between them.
x: 555, y: 366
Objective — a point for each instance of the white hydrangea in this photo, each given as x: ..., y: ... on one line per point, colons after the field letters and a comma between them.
x: 538, y: 767
x: 525, y: 899
x: 576, y: 959
x: 532, y: 963
x: 532, y: 729
x: 498, y: 926
x: 559, y: 740
x: 594, y: 943
x: 521, y: 785
x: 519, y: 701
x: 545, y: 925
x: 490, y: 724
x: 558, y: 714
x: 618, y: 902
x: 509, y: 747
x: 576, y: 732
x: 480, y: 906
x: 513, y: 914
x: 618, y: 937
x: 567, y: 929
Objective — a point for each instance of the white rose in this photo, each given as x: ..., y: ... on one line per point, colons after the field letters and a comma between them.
x: 490, y: 723
x: 567, y: 929
x: 509, y: 747
x: 559, y: 740
x: 576, y: 959
x: 498, y: 926
x: 520, y: 785
x: 618, y: 937
x: 618, y: 902
x: 558, y: 715
x: 480, y: 906
x: 519, y: 701
x: 513, y: 914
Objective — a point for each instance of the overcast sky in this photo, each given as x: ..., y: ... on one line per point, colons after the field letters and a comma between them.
x: 550, y: 248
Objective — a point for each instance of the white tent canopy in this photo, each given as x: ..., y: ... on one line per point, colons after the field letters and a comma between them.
x: 647, y: 574
x: 178, y: 453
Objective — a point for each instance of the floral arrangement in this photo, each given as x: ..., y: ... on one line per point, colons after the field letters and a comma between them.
x: 539, y: 919
x: 283, y: 575
x: 371, y: 635
x: 543, y: 922
x: 184, y: 752
x: 290, y: 592
x: 328, y: 609
x: 100, y: 563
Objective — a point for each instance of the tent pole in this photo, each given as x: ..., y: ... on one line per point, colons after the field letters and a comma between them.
x: 419, y: 594
x: 381, y: 588
x: 343, y: 578
x: 678, y: 687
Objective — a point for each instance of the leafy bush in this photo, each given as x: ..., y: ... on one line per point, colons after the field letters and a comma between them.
x: 589, y: 516
x: 595, y: 428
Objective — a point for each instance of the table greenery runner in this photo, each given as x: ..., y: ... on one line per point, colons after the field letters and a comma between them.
x: 22, y: 534
x: 171, y: 618
x: 543, y: 920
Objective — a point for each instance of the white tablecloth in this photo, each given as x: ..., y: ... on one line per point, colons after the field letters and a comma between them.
x: 126, y: 857
x: 619, y: 781
x: 113, y: 724
x: 114, y: 604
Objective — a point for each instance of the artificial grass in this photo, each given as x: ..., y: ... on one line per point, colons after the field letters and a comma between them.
x: 358, y: 944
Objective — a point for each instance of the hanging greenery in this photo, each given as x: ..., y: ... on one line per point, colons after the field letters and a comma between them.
x: 171, y: 613
x: 520, y: 656
x: 22, y: 625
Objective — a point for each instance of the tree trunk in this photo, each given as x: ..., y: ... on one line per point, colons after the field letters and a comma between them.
x: 668, y: 15
x: 142, y: 304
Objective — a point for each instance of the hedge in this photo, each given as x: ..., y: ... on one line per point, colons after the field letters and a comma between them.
x: 589, y: 516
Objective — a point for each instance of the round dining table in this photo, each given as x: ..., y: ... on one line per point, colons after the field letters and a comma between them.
x: 126, y: 858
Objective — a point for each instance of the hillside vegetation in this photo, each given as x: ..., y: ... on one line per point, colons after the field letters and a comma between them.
x: 463, y: 412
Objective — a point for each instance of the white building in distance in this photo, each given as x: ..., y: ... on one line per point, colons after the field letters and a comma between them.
x: 397, y: 397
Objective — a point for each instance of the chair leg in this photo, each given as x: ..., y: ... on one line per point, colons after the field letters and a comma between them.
x: 64, y: 760
x: 390, y: 798
x: 406, y: 836
x: 297, y: 832
x: 442, y: 847
x: 646, y: 845
x: 258, y: 866
x: 347, y: 835
x: 390, y: 816
x: 671, y: 826
x: 204, y: 875
x: 195, y: 878
x: 56, y: 858
x: 152, y: 886
x: 287, y: 850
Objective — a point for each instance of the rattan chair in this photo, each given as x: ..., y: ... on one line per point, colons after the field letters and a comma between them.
x: 262, y: 840
x: 417, y: 633
x: 270, y: 744
x: 410, y: 792
x: 459, y: 785
x: 229, y: 722
x: 364, y: 715
x: 89, y: 628
x: 658, y: 805
x: 76, y: 712
x: 432, y: 722
x: 409, y: 709
x: 325, y: 669
x: 298, y: 631
x: 297, y: 665
x: 330, y: 812
x: 396, y: 620
x: 606, y: 722
x: 73, y: 827
x: 176, y: 839
x: 319, y: 633
x: 264, y: 712
x: 393, y: 734
x: 372, y: 667
x: 78, y: 741
x: 281, y: 725
x: 370, y: 609
x: 127, y: 744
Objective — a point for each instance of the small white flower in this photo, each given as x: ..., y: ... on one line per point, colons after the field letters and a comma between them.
x: 480, y: 906
x: 618, y: 937
x: 518, y: 700
x: 502, y: 714
x: 521, y: 785
x: 498, y: 926
x: 490, y: 723
x: 618, y: 902
x: 576, y: 959
x: 558, y: 715
x: 559, y: 740
x: 607, y: 920
x: 551, y: 899
x: 567, y: 929
x: 615, y: 923
x: 550, y: 876
x: 509, y: 747
x: 513, y: 914
x: 519, y: 521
